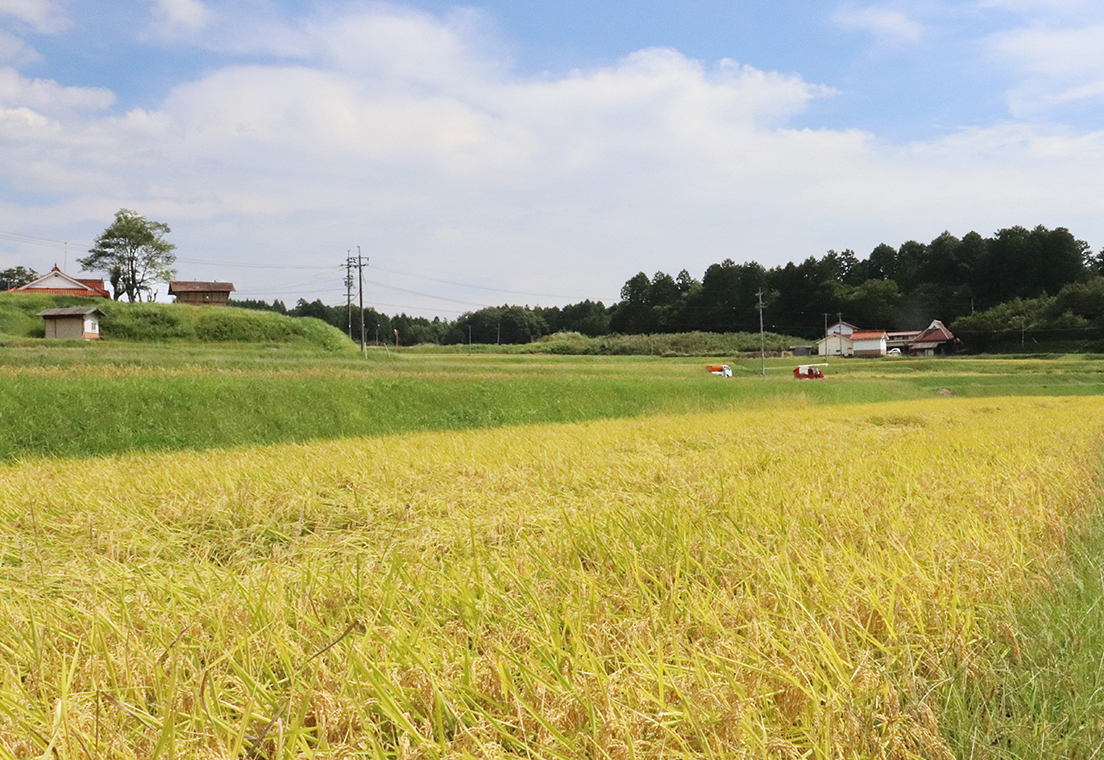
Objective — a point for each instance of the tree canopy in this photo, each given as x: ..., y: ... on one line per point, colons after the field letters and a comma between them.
x: 16, y: 277
x: 135, y: 255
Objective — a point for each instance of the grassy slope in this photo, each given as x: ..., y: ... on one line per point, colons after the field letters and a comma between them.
x: 104, y: 398
x: 157, y: 322
x: 99, y: 399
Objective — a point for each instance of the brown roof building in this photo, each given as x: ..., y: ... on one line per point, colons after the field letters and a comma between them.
x: 933, y: 340
x: 207, y: 293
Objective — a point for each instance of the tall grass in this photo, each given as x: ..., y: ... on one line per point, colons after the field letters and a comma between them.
x: 794, y: 582
x: 1041, y: 692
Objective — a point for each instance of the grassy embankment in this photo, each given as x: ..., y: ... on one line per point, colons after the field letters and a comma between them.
x: 798, y: 580
x: 239, y: 398
x: 157, y: 322
x: 111, y: 397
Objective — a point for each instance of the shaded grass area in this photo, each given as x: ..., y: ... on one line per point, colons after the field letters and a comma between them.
x: 113, y: 397
x: 1042, y: 695
x: 102, y: 410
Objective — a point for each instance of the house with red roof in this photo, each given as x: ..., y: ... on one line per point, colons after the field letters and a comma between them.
x: 57, y: 283
x: 875, y: 343
x: 933, y: 340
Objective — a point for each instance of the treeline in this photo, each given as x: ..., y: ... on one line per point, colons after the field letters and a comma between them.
x: 1072, y: 320
x: 902, y: 288
x: 498, y: 324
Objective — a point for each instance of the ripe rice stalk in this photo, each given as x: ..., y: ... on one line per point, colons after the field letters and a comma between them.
x: 788, y: 582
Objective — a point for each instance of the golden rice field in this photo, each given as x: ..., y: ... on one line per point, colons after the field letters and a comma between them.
x: 791, y: 582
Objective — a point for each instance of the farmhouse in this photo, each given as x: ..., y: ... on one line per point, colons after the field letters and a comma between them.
x: 932, y: 340
x: 57, y: 283
x: 208, y: 293
x: 901, y: 340
x: 72, y: 323
x: 843, y: 339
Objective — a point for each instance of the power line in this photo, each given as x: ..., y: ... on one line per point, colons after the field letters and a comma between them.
x: 475, y: 287
x: 429, y: 295
x: 208, y: 262
x: 18, y: 237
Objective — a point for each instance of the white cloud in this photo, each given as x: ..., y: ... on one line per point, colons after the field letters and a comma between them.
x: 48, y: 96
x: 888, y: 25
x: 40, y: 15
x: 15, y: 51
x: 1058, y: 66
x: 1056, y: 52
x: 1049, y: 7
x: 427, y: 151
x: 182, y: 15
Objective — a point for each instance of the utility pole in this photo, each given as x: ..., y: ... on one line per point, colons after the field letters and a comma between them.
x: 359, y: 262
x: 762, y: 338
x: 349, y: 290
x: 360, y: 270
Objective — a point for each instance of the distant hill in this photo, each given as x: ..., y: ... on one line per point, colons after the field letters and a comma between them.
x: 161, y: 322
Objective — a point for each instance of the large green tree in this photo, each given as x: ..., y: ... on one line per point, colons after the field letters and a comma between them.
x: 134, y: 253
x: 16, y: 277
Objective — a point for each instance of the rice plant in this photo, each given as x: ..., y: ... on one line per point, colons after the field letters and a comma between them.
x: 784, y: 582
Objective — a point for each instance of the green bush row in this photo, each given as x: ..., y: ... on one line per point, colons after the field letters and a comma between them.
x: 663, y: 344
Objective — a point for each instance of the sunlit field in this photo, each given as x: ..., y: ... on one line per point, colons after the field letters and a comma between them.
x: 792, y: 580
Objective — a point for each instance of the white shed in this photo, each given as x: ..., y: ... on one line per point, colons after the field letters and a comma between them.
x: 869, y: 343
x: 835, y: 344
x: 72, y: 323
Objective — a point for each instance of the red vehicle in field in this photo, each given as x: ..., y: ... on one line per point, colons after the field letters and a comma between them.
x: 809, y: 371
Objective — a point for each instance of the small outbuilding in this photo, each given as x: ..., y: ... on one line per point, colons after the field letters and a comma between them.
x: 869, y: 343
x: 72, y: 323
x: 203, y: 293
x: 835, y: 344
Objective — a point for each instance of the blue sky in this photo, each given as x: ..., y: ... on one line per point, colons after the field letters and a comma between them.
x: 529, y: 152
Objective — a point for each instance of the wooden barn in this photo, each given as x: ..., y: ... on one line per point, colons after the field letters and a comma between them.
x: 72, y: 323
x: 203, y: 293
